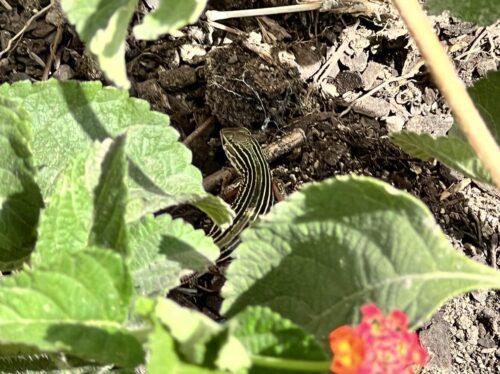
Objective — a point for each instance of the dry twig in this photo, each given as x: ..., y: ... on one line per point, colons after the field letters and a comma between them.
x: 199, y: 130
x: 25, y: 27
x: 214, y: 15
x: 6, y: 5
x: 331, y: 62
x: 220, y: 26
x: 53, y: 50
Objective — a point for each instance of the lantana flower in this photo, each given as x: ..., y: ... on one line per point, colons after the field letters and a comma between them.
x: 377, y: 345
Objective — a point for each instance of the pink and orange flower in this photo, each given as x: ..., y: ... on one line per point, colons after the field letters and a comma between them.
x: 377, y: 345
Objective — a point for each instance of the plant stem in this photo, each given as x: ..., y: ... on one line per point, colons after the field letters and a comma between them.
x: 288, y: 364
x: 214, y: 15
x: 453, y: 89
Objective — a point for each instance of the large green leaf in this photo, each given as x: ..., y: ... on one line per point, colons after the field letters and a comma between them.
x: 170, y: 16
x: 163, y: 358
x: 102, y: 25
x: 454, y: 150
x: 199, y: 341
x: 78, y: 304
x: 163, y: 249
x: 87, y: 206
x: 70, y: 116
x: 479, y: 11
x: 267, y: 335
x: 338, y: 244
x: 109, y: 229
x: 20, y: 199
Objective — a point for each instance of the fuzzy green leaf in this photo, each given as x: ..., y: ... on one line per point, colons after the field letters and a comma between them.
x: 35, y: 312
x: 190, y: 328
x: 266, y: 334
x: 338, y: 244
x: 81, y: 211
x: 454, y: 150
x: 163, y: 249
x: 102, y: 25
x: 168, y: 17
x: 20, y: 199
x: 109, y: 229
x: 451, y: 151
x: 483, y: 12
x: 164, y: 359
x: 69, y: 116
x: 199, y: 341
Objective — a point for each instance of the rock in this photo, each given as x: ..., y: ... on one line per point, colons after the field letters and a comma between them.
x: 329, y: 89
x: 372, y: 107
x: 189, y: 52
x: 430, y: 124
x: 369, y: 76
x: 480, y: 296
x: 357, y: 62
x: 394, y: 123
x: 64, y: 73
x: 436, y: 339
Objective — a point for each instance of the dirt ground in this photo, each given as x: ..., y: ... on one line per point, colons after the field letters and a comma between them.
x: 309, y: 70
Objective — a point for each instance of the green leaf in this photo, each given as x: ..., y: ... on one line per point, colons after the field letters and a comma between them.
x: 109, y: 229
x: 163, y: 249
x: 483, y: 12
x: 41, y: 363
x: 454, y: 150
x: 20, y: 199
x: 266, y: 334
x: 451, y: 151
x: 163, y: 358
x: 77, y: 114
x: 191, y: 329
x: 102, y: 25
x: 485, y: 93
x: 81, y: 212
x: 162, y: 174
x: 199, y: 340
x: 34, y: 308
x: 341, y: 243
x: 169, y: 17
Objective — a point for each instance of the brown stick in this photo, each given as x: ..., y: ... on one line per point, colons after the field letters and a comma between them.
x: 197, y: 131
x: 291, y: 140
x: 450, y: 85
x: 52, y: 55
x: 284, y: 145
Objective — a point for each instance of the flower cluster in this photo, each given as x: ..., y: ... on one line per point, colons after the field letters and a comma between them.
x: 377, y: 345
